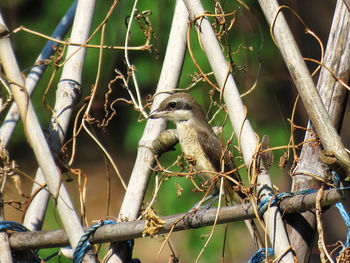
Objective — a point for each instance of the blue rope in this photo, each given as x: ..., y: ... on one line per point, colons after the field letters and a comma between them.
x: 260, y: 255
x: 51, y: 256
x: 14, y: 226
x: 346, y: 219
x: 335, y: 178
x: 341, y: 209
x: 84, y: 242
x: 264, y: 204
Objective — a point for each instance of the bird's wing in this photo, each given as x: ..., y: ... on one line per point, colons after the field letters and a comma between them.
x: 211, y: 146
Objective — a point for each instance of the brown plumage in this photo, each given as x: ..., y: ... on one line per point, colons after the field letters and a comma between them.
x: 201, y: 147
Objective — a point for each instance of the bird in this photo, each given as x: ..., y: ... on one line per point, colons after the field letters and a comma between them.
x: 201, y: 147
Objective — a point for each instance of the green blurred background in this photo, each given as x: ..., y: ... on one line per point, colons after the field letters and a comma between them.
x: 269, y: 106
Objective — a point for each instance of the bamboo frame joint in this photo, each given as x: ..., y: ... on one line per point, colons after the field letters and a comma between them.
x: 3, y: 31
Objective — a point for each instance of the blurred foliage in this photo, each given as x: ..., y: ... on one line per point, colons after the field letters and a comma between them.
x: 269, y: 105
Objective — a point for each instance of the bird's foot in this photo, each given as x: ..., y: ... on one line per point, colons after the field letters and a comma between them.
x: 198, y: 212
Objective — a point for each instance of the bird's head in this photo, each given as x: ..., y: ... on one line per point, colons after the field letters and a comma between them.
x: 178, y: 108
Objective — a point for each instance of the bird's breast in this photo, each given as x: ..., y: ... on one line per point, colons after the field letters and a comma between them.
x: 192, y: 150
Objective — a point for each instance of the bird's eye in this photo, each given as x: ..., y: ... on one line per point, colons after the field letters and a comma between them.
x: 172, y: 104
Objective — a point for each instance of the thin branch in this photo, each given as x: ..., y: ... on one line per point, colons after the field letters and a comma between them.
x: 214, y: 223
x: 94, y: 89
x: 138, y: 102
x: 134, y: 229
x: 146, y: 46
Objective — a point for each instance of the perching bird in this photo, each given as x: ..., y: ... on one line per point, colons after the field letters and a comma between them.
x: 201, y: 147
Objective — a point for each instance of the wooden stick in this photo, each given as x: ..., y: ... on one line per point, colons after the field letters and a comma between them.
x: 333, y: 94
x: 134, y: 229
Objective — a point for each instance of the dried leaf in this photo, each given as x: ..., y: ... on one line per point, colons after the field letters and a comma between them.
x: 153, y: 223
x: 179, y: 190
x: 344, y: 256
x: 17, y: 181
x: 283, y: 160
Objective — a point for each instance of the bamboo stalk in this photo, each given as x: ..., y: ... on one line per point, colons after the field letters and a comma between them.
x: 225, y: 81
x: 312, y: 101
x: 35, y: 214
x: 67, y: 95
x: 168, y: 80
x: 333, y: 94
x: 38, y: 141
x: 12, y: 117
x: 134, y: 229
x: 5, y: 250
x: 240, y: 123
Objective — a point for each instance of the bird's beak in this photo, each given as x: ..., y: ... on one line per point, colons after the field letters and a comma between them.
x: 158, y: 114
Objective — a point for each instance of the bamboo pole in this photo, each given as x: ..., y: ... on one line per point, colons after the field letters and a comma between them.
x: 35, y: 214
x: 12, y: 117
x: 38, y: 141
x: 333, y: 147
x: 5, y: 250
x: 240, y: 123
x: 134, y: 229
x: 67, y: 95
x: 168, y: 80
x: 333, y: 94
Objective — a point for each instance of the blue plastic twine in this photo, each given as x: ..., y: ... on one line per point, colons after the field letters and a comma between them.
x: 260, y: 255
x: 14, y: 226
x: 84, y: 241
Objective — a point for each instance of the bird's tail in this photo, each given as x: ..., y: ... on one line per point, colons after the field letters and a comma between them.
x: 253, y: 230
